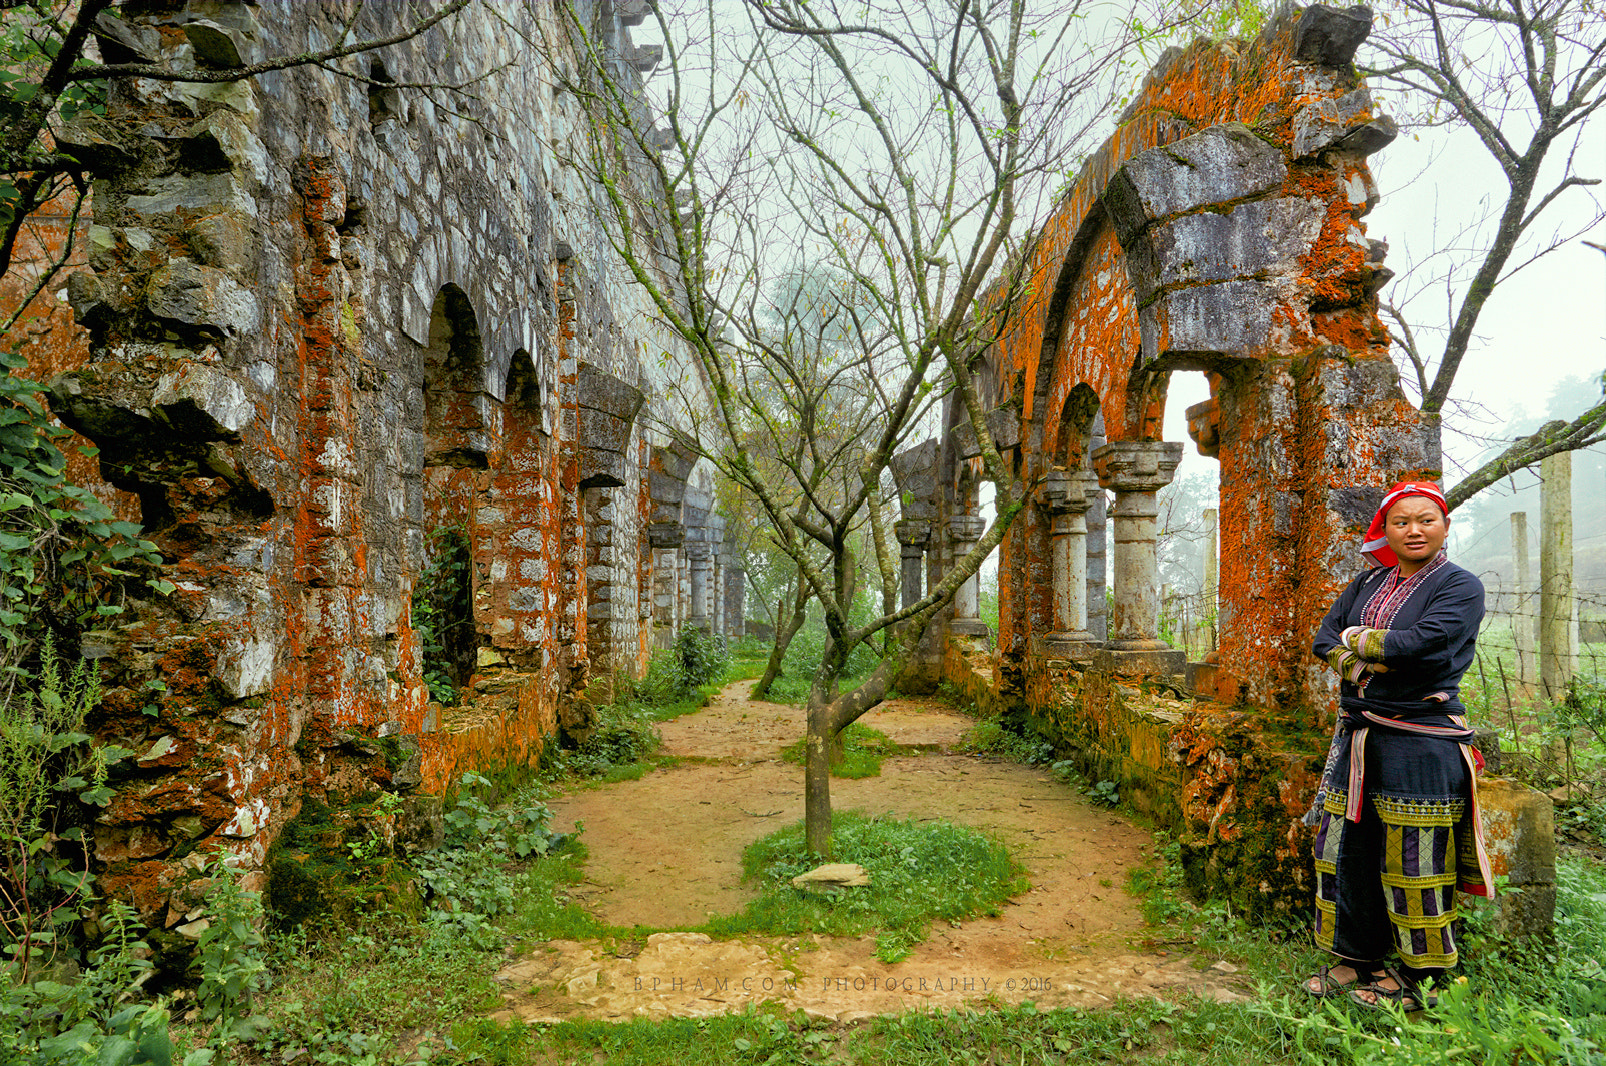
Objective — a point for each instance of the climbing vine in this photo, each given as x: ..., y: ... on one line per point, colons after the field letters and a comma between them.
x: 443, y: 616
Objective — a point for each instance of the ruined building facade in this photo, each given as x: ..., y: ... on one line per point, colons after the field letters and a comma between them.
x: 339, y: 338
x: 1219, y: 231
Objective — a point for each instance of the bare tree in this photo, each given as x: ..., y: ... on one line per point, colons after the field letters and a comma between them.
x: 1527, y: 78
x: 903, y: 146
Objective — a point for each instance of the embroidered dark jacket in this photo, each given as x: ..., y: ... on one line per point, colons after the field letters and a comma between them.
x: 1430, y: 639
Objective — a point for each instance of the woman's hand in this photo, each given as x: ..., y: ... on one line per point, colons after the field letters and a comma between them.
x: 1365, y: 644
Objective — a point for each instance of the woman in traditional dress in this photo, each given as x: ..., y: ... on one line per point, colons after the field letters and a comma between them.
x: 1397, y: 813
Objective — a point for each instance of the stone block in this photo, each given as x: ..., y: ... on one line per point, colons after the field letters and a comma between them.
x: 221, y: 141
x: 1261, y: 237
x: 217, y: 46
x: 1199, y: 328
x: 203, y: 388
x: 1145, y: 662
x: 1219, y: 165
x: 603, y: 430
x: 1519, y: 830
x: 1355, y: 504
x: 1330, y: 35
x: 1321, y: 124
x: 599, y: 390
x: 191, y: 297
x: 95, y: 142
x: 227, y: 242
x: 195, y: 195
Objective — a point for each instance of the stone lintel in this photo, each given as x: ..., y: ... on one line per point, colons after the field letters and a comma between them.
x: 1137, y: 465
x: 666, y: 534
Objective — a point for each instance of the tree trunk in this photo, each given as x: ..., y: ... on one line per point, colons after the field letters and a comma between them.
x: 783, y: 640
x: 817, y: 782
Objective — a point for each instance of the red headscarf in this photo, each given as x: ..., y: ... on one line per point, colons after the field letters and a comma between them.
x: 1376, y: 546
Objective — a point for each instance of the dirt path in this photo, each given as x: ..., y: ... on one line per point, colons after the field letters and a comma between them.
x: 665, y: 853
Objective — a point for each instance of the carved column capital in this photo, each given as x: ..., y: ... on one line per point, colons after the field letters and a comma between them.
x: 966, y: 529
x: 1137, y: 465
x: 1069, y: 491
x: 666, y: 534
x: 913, y: 533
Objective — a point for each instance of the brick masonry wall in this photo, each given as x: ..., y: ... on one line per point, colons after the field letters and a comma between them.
x: 322, y: 318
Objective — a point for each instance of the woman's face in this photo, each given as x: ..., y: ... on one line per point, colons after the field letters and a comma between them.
x: 1415, y: 529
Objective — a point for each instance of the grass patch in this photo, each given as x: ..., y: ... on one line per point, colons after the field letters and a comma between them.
x: 543, y: 909
x: 863, y: 748
x: 918, y: 872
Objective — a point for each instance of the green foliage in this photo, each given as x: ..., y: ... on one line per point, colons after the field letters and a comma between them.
x: 64, y: 555
x: 29, y: 42
x: 918, y: 872
x: 91, y: 1021
x: 543, y: 908
x: 467, y: 884
x: 701, y: 655
x: 1008, y: 739
x: 863, y: 748
x: 520, y: 829
x: 45, y: 757
x: 377, y: 993
x: 623, y: 736
x: 229, y: 956
x: 443, y: 614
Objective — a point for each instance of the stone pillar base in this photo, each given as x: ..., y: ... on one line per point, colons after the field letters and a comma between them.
x: 1139, y: 644
x: 1141, y: 662
x: 970, y: 627
x: 1077, y: 647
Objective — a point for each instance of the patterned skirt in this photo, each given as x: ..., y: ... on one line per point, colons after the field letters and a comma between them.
x: 1386, y: 882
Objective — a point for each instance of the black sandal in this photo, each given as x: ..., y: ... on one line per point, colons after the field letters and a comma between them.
x: 1407, y: 997
x: 1329, y: 986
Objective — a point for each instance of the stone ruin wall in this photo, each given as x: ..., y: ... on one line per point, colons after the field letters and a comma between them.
x: 320, y: 318
x: 1219, y: 230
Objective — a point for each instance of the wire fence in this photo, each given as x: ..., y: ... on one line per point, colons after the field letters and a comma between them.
x: 1550, y: 736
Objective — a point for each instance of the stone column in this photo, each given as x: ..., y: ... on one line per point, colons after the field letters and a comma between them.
x: 964, y: 531
x: 912, y: 537
x: 1067, y: 497
x: 1135, y: 471
x: 701, y: 559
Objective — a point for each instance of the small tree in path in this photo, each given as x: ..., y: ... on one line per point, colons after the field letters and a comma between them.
x: 902, y: 150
